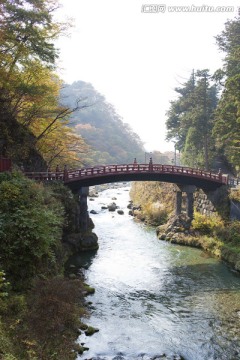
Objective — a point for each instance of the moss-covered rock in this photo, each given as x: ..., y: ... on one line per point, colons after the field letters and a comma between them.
x: 88, y: 289
x: 91, y: 330
x: 80, y: 349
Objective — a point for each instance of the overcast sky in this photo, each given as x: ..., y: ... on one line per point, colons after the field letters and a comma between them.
x: 136, y: 57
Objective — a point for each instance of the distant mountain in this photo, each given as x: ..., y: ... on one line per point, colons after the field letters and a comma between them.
x: 111, y: 140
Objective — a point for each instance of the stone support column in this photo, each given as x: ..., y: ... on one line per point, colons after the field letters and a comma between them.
x: 189, y: 205
x: 178, y: 203
x: 189, y: 190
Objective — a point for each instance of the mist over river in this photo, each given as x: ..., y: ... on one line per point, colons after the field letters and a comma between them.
x: 153, y: 297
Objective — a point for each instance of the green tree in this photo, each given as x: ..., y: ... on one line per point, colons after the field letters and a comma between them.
x: 190, y: 119
x: 178, y: 121
x: 227, y: 117
x: 27, y: 33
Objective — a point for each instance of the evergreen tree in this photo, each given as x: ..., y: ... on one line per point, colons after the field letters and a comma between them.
x: 227, y: 118
x: 190, y: 120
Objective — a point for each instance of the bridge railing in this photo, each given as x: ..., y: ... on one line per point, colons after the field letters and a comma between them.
x: 72, y: 175
x: 141, y: 168
x: 46, y: 175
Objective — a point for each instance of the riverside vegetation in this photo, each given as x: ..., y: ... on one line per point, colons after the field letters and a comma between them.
x: 40, y: 308
x: 216, y: 234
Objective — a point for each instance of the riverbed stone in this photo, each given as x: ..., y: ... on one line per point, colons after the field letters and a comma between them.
x: 112, y: 207
x: 130, y: 205
x: 93, y: 212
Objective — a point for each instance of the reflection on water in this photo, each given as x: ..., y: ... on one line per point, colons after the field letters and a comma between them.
x: 153, y: 297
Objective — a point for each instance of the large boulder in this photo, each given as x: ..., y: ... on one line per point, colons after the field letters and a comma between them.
x: 82, y: 242
x: 89, y: 242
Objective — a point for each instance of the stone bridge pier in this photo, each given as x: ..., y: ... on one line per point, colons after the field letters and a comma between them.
x: 83, y: 193
x: 189, y: 190
x: 85, y: 239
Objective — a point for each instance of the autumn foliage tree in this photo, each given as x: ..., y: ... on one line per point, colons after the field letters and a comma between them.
x: 28, y: 81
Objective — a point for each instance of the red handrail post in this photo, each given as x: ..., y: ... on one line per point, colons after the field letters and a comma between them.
x: 150, y: 164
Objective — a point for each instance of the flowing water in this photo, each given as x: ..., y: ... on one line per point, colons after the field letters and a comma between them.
x: 154, y: 298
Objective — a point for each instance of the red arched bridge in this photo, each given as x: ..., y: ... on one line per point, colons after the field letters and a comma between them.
x: 84, y: 177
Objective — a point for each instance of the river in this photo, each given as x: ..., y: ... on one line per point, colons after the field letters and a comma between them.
x: 154, y: 298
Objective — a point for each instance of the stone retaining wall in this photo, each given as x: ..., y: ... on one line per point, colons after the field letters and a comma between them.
x: 212, y: 202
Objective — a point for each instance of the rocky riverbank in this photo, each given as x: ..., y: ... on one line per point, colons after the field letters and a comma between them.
x: 219, y: 237
x: 214, y: 236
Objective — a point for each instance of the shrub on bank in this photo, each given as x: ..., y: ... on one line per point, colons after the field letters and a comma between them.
x: 31, y: 220
x: 156, y: 200
x: 206, y: 224
x: 44, y: 322
x: 155, y: 214
x: 40, y: 320
x: 220, y: 238
x: 55, y: 307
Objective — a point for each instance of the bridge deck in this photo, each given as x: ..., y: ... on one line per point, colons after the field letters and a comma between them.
x: 132, y: 172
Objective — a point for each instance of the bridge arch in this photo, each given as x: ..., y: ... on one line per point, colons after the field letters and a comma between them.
x: 141, y: 172
x: 187, y: 180
x: 75, y: 179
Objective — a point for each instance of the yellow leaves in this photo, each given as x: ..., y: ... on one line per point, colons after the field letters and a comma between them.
x: 62, y: 146
x: 28, y: 83
x: 206, y: 224
x: 235, y: 194
x: 36, y: 92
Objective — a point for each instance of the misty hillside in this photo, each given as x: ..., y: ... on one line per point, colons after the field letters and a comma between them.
x: 111, y: 140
